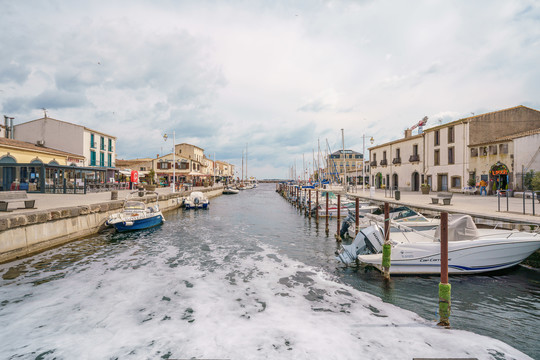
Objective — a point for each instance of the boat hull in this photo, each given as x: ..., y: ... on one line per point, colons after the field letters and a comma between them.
x: 464, y: 257
x: 139, y: 224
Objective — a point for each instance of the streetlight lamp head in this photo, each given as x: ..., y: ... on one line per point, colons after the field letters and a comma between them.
x: 372, y: 140
x: 165, y: 137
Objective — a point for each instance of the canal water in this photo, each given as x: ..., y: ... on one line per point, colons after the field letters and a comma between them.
x: 250, y: 278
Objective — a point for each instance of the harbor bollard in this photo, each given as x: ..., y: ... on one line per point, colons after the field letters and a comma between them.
x: 387, y: 247
x: 357, y: 217
x: 444, y: 286
x: 338, y: 235
x: 327, y: 213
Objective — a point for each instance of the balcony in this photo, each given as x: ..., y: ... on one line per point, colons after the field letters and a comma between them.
x: 373, y: 163
x: 384, y: 162
x: 396, y: 161
x: 414, y: 158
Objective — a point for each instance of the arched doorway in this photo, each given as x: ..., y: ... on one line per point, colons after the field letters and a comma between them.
x: 9, y: 173
x: 395, y: 182
x: 378, y: 180
x: 415, y: 181
x: 498, y: 177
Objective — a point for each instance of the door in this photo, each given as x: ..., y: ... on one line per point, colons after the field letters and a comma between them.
x: 415, y: 181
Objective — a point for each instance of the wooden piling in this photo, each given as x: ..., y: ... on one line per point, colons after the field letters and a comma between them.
x: 387, y: 247
x: 317, y: 206
x: 338, y: 235
x: 357, y: 216
x: 327, y: 213
x: 444, y: 286
x: 309, y: 204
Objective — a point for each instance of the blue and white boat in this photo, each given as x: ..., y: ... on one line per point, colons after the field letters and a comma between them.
x: 136, y: 215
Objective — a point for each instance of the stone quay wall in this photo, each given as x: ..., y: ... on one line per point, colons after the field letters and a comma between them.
x: 29, y: 233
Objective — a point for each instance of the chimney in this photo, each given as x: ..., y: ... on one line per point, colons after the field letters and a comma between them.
x: 408, y: 133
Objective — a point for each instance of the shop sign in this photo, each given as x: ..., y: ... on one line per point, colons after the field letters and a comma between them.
x: 134, y: 176
x: 499, y: 172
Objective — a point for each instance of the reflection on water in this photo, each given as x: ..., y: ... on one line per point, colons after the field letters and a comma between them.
x: 504, y: 305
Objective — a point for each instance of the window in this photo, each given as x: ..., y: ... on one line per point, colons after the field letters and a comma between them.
x: 503, y: 148
x: 384, y: 155
x: 455, y: 182
x: 398, y: 153
x: 101, y: 159
x: 437, y: 138
x: 163, y: 165
x: 92, y: 142
x: 374, y: 157
x: 493, y: 149
x: 483, y: 151
x: 415, y: 149
x: 109, y: 160
x: 110, y: 144
x: 451, y: 159
x: 474, y: 152
x: 92, y: 158
x: 436, y: 158
x: 450, y: 134
x: 102, y: 143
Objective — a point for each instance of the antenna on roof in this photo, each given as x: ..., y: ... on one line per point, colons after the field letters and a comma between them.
x: 44, y: 112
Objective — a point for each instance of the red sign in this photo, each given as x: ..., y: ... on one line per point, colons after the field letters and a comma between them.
x: 499, y: 172
x: 134, y: 176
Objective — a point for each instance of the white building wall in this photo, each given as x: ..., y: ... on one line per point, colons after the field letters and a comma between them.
x: 527, y: 150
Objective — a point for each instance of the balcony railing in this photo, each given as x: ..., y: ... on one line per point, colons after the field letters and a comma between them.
x: 414, y: 158
x: 396, y: 161
x: 373, y: 163
x: 384, y: 162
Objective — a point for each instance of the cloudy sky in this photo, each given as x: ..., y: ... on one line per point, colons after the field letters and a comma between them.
x: 275, y: 75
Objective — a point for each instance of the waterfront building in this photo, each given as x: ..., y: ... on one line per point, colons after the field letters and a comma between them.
x: 450, y: 156
x: 343, y: 162
x: 96, y: 147
x: 224, y: 171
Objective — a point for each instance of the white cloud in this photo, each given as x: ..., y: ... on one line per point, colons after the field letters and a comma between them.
x: 278, y: 75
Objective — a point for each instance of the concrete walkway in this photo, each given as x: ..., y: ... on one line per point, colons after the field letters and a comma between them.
x: 54, y: 201
x: 471, y: 204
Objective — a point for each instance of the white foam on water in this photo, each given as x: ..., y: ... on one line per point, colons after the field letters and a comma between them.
x: 255, y: 306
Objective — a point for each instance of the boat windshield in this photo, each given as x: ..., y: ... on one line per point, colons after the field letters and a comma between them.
x: 134, y: 205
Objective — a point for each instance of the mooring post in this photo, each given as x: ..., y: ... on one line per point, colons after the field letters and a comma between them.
x: 357, y: 216
x: 499, y: 200
x: 387, y: 247
x: 327, y: 213
x: 317, y: 206
x: 532, y: 191
x: 338, y: 235
x: 297, y: 196
x: 309, y: 204
x: 506, y: 200
x: 444, y: 286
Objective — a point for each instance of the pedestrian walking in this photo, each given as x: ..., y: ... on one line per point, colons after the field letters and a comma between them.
x: 483, y: 186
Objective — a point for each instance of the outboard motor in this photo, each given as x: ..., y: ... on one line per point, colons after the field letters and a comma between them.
x: 374, y: 238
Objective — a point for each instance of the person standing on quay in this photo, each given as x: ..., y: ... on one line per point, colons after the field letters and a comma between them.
x: 483, y: 185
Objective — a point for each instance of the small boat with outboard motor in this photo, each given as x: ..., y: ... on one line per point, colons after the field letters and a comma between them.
x: 229, y: 190
x: 136, y: 214
x: 196, y: 200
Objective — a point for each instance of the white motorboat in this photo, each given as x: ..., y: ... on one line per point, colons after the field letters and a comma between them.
x: 196, y: 200
x: 470, y: 250
x: 402, y: 215
x: 136, y: 215
x: 229, y: 190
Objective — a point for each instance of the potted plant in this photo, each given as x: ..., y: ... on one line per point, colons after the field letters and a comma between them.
x: 151, y: 186
x: 425, y: 188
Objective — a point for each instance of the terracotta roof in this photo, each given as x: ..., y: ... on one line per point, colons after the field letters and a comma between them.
x: 510, y: 137
x: 17, y: 144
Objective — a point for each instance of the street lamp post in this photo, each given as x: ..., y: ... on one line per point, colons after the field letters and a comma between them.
x: 363, y: 159
x: 165, y: 136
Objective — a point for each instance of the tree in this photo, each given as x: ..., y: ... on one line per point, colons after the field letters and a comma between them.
x: 151, y: 175
x: 527, y: 179
x: 535, y: 182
